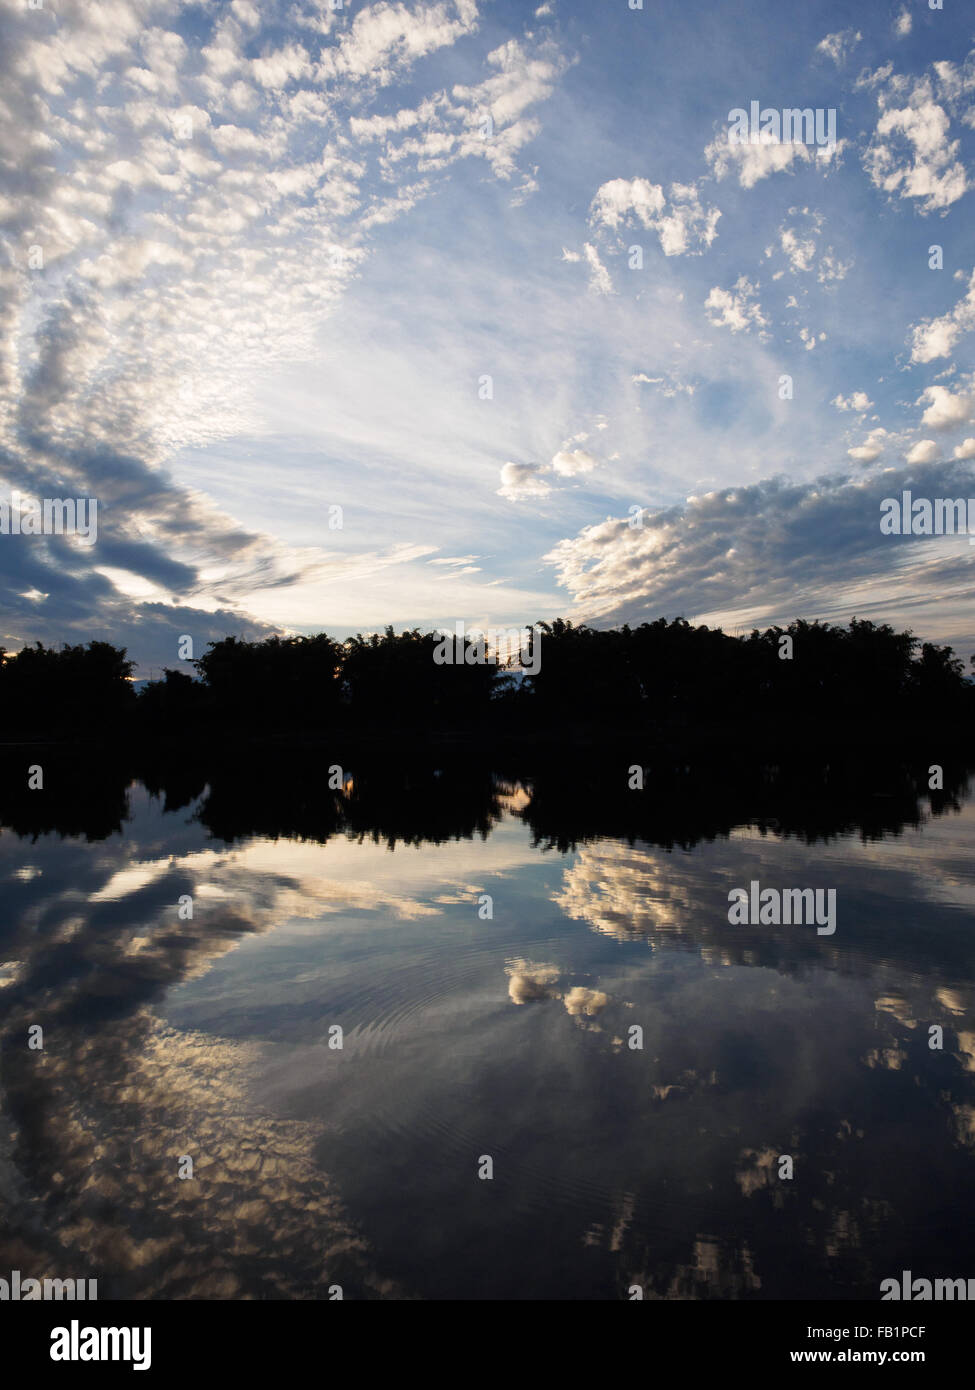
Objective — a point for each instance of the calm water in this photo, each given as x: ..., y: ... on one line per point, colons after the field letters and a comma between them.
x: 466, y: 1036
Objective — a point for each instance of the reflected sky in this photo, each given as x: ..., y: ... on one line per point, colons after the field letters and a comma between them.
x: 464, y: 1036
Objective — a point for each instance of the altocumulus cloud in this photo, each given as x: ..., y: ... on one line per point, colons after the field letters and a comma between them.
x: 186, y: 195
x: 775, y: 550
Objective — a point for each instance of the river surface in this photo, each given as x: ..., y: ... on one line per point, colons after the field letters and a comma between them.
x: 449, y: 1049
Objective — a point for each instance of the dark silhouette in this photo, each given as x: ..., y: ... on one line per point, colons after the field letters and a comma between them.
x: 394, y: 681
x: 668, y: 677
x: 361, y: 792
x: 290, y: 680
x: 48, y: 694
x: 679, y: 675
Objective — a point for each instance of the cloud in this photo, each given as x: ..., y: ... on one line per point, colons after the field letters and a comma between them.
x: 523, y: 480
x: 840, y: 45
x: 386, y: 38
x: 202, y: 199
x: 600, y: 280
x: 798, y: 242
x: 831, y: 269
x: 737, y: 308
x: 903, y: 23
x: 965, y: 450
x: 911, y: 154
x: 773, y: 550
x: 924, y: 451
x: 857, y: 400
x: 529, y: 981
x: 571, y: 464
x: 488, y: 120
x: 946, y: 410
x: 580, y: 1001
x: 871, y: 450
x: 754, y: 162
x: 937, y: 337
x: 670, y: 385
x: 681, y: 223
x: 800, y: 251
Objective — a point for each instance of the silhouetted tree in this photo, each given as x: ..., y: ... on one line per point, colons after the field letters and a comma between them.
x: 394, y: 680
x: 80, y: 690
x: 280, y: 683
x: 667, y: 675
x: 174, y: 704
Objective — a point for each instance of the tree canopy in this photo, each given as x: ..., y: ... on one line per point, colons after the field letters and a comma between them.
x: 667, y: 673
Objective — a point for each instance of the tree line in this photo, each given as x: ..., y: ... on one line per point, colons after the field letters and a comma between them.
x: 669, y: 674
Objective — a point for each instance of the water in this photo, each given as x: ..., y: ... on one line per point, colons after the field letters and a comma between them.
x: 467, y: 1036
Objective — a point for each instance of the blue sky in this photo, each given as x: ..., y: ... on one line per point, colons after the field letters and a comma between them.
x: 282, y: 247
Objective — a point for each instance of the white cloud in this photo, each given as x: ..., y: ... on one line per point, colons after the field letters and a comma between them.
x: 520, y: 481
x: 946, y: 410
x: 681, y: 223
x: 737, y: 308
x: 965, y: 450
x: 600, y: 279
x: 937, y: 337
x: 871, y: 450
x: 840, y: 45
x: 670, y: 385
x: 278, y: 68
x: 385, y: 38
x: 573, y: 463
x: 911, y: 154
x: 799, y: 248
x: 488, y: 121
x: 857, y: 400
x: 831, y: 269
x: 767, y: 156
x: 903, y: 23
x: 799, y: 244
x: 924, y: 451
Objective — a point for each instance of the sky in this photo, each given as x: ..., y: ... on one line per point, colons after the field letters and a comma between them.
x: 409, y: 312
